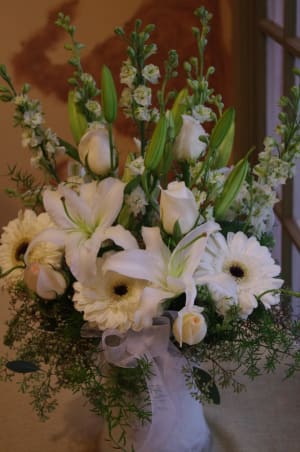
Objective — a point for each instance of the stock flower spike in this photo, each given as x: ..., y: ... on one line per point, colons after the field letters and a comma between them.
x: 125, y: 280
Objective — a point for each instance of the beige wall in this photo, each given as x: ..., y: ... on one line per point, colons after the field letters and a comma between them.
x: 95, y: 19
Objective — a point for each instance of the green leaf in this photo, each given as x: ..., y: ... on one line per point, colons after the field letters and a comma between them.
x: 206, y: 384
x: 21, y: 366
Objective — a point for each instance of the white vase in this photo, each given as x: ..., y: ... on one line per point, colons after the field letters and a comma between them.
x: 178, y: 424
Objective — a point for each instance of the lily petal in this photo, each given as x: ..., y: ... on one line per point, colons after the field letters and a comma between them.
x: 54, y: 207
x: 121, y: 237
x: 135, y: 264
x: 151, y: 305
x: 108, y: 201
x: 186, y: 256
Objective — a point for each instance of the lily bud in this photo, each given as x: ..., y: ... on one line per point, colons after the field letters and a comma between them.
x: 77, y: 120
x: 109, y: 95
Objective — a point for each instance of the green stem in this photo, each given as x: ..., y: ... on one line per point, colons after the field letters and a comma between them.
x: 3, y: 275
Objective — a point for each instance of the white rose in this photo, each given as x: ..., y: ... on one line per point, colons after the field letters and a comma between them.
x: 46, y: 282
x: 190, y: 326
x: 94, y: 148
x: 178, y: 203
x: 187, y: 145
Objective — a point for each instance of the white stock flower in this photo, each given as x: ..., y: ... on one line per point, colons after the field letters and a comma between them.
x: 136, y: 201
x: 83, y: 221
x: 169, y: 273
x: 238, y: 270
x: 202, y: 113
x: 187, y: 145
x: 44, y: 280
x: 94, y: 150
x: 110, y: 300
x: 177, y: 203
x: 151, y: 73
x: 142, y: 95
x: 127, y: 74
x: 33, y: 118
x: 142, y: 113
x: 190, y: 326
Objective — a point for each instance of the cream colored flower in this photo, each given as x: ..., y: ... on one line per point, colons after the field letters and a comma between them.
x: 177, y: 203
x: 45, y: 281
x: 187, y: 145
x: 238, y: 270
x: 190, y: 326
x: 15, y: 239
x: 110, y: 300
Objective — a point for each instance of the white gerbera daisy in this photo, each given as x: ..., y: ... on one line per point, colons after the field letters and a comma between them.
x: 110, y: 301
x: 236, y: 271
x: 15, y: 239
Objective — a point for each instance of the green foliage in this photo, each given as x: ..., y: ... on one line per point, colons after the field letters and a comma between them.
x: 51, y: 355
x: 26, y: 188
x: 259, y: 344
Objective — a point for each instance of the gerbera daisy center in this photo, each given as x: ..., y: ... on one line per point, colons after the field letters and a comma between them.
x: 21, y: 250
x: 236, y: 271
x: 121, y: 289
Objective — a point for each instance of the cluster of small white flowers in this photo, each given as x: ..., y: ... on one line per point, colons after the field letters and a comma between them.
x: 94, y: 107
x: 263, y: 201
x: 136, y: 98
x: 272, y: 170
x: 142, y: 97
x: 30, y: 116
x: 200, y: 196
x: 151, y: 73
x: 258, y: 200
x: 202, y: 113
x: 33, y: 118
x: 126, y: 102
x: 127, y: 74
x: 136, y: 201
x: 136, y: 167
x: 30, y: 138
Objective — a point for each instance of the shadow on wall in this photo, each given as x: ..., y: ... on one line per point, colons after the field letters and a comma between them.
x: 173, y: 19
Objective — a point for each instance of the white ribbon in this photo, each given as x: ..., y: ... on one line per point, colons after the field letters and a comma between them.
x: 177, y: 422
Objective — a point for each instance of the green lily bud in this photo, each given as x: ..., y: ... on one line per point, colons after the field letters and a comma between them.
x: 231, y: 188
x: 222, y: 137
x: 109, y: 95
x: 155, y: 149
x: 178, y: 109
x: 225, y: 148
x: 77, y: 120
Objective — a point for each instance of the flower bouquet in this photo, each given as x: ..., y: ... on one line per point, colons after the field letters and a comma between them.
x: 147, y: 287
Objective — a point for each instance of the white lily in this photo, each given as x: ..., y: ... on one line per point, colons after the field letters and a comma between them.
x: 169, y: 273
x: 84, y: 222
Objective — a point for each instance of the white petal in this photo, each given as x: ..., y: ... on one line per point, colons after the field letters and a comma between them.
x: 77, y: 208
x: 48, y: 235
x: 187, y: 253
x: 121, y: 237
x: 54, y: 207
x: 133, y: 263
x: 154, y: 243
x: 109, y: 201
x: 151, y: 305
